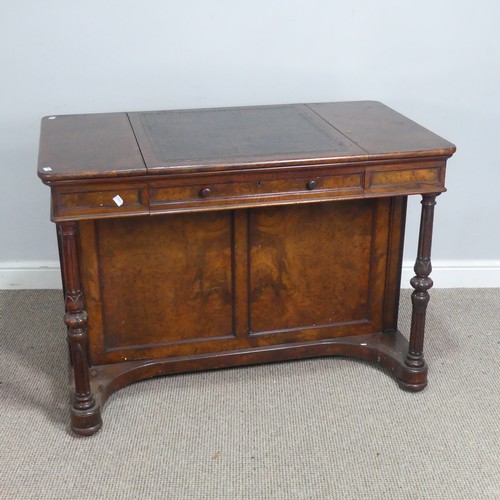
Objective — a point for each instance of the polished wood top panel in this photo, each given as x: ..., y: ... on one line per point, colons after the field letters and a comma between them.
x: 380, y: 130
x: 88, y: 146
x: 77, y: 147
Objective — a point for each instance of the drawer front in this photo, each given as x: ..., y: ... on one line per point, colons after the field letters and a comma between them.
x: 106, y: 199
x: 155, y: 194
x: 317, y: 185
x: 408, y: 178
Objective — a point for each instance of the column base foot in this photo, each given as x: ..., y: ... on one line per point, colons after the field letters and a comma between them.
x: 86, y: 422
x: 413, y: 379
x: 412, y: 387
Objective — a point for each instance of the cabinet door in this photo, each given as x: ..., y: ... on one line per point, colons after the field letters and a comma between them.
x: 318, y: 269
x: 154, y: 282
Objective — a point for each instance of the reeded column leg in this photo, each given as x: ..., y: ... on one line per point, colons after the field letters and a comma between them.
x: 415, y: 379
x: 85, y: 413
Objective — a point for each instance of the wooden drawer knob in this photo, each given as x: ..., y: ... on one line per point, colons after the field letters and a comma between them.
x: 311, y: 185
x: 205, y: 193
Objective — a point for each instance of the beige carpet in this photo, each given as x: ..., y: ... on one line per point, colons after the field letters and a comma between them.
x: 329, y: 428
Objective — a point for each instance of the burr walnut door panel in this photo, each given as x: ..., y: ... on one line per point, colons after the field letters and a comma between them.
x: 318, y: 270
x: 157, y: 283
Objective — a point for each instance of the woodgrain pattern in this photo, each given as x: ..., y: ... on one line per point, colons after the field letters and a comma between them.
x: 246, y: 235
x: 88, y: 146
x: 310, y: 265
x: 263, y: 185
x: 101, y: 200
x: 179, y: 267
x: 259, y: 187
x: 238, y: 280
x: 104, y: 145
x: 380, y: 130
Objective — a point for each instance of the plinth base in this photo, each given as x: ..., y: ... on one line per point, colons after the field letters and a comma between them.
x: 388, y: 350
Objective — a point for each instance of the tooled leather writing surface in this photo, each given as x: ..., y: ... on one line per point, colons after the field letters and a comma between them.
x: 237, y: 135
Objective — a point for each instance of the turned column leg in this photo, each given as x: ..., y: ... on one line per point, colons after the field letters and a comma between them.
x: 85, y: 413
x: 416, y: 376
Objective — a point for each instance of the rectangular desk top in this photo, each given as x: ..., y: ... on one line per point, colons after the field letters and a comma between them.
x: 114, y: 145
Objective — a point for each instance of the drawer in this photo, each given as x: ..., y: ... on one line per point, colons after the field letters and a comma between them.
x: 409, y: 178
x: 237, y: 191
x: 99, y: 199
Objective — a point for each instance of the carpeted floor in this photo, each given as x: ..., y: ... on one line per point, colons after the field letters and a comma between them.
x: 328, y: 428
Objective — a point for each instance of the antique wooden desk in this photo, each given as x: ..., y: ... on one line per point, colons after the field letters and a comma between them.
x: 201, y: 239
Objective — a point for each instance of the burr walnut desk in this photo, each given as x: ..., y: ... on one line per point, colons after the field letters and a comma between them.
x: 201, y: 239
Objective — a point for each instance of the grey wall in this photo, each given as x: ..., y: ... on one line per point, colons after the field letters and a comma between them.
x: 436, y: 62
